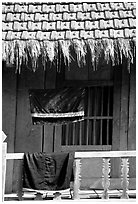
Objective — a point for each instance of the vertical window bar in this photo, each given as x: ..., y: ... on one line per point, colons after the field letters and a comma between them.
x: 73, y: 133
x: 80, y: 133
x: 88, y: 113
x: 101, y: 125
x: 67, y: 134
x: 108, y: 108
x: 94, y: 120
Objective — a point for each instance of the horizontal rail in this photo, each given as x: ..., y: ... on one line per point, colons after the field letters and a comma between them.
x: 14, y: 155
x: 89, y: 154
x: 103, y: 154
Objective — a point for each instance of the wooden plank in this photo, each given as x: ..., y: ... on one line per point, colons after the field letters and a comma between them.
x: 124, y: 106
x: 4, y: 152
x: 104, y: 154
x: 115, y: 172
x: 132, y: 120
x: 86, y: 148
x: 50, y: 82
x: 57, y: 141
x: 28, y: 136
x: 48, y: 138
x: 8, y: 117
x: 132, y: 111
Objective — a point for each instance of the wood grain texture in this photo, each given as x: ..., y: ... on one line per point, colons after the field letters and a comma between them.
x: 28, y: 137
x: 8, y: 116
x: 124, y: 107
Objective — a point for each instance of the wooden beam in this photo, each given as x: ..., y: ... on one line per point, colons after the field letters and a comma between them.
x: 115, y: 172
x: 9, y: 79
x: 124, y: 107
x: 105, y: 154
x: 28, y: 136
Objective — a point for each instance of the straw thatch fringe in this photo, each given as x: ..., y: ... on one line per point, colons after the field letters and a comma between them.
x: 18, y: 52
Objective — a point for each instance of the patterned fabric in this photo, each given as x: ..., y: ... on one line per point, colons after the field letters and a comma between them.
x: 58, y: 106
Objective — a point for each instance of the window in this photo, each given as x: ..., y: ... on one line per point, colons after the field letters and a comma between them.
x: 96, y: 129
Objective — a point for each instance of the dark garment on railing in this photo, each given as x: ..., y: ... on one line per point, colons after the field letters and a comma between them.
x: 44, y: 171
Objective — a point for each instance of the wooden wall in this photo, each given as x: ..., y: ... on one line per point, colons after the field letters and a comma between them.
x: 22, y: 136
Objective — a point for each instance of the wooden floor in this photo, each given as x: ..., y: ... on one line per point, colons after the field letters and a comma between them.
x: 67, y: 195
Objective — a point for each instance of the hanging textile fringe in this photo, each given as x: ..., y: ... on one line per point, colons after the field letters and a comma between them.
x: 18, y: 52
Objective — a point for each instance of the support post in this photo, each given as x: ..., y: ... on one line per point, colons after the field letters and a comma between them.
x: 77, y: 178
x: 124, y: 177
x: 4, y: 151
x: 106, y: 179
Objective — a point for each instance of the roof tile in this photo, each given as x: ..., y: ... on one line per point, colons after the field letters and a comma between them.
x: 20, y: 26
x: 121, y: 23
x: 43, y: 35
x: 72, y: 34
x: 101, y: 34
x: 125, y: 14
x: 34, y: 26
x: 132, y: 22
x: 55, y: 17
x: 111, y: 14
x: 27, y: 17
x: 4, y: 17
x: 129, y: 33
x: 85, y: 6
x: 48, y: 8
x: 7, y: 8
x: 13, y: 17
x: 34, y: 9
x: 63, y: 25
x: 130, y: 5
x: 105, y: 7
x: 91, y: 25
x: 134, y: 12
x: 4, y: 35
x: 118, y: 33
x: 7, y: 26
x: 77, y: 25
x: 83, y: 16
x: 28, y: 35
x: 106, y: 24
x: 86, y: 34
x: 116, y: 6
x: 13, y: 35
x: 20, y: 8
x: 48, y: 26
x: 97, y: 15
x: 75, y: 7
x: 92, y: 7
x: 57, y: 35
x: 62, y: 8
x: 40, y: 17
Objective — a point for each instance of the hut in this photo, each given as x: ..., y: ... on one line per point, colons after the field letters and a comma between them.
x: 79, y: 46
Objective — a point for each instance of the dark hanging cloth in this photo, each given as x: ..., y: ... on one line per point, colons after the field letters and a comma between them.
x: 44, y: 171
x: 57, y: 106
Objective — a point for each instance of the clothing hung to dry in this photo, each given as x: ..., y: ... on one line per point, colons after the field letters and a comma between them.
x: 57, y: 106
x: 44, y: 171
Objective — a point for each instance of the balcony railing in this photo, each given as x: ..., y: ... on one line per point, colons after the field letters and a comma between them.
x: 106, y: 155
x: 123, y: 155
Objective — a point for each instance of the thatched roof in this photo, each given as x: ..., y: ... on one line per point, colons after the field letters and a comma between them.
x: 34, y: 30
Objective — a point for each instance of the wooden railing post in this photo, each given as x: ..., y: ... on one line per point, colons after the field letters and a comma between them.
x: 77, y: 178
x: 124, y: 177
x: 106, y: 179
x: 4, y: 151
